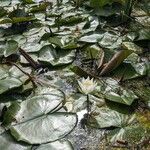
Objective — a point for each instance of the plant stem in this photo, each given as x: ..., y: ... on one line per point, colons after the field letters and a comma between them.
x: 34, y: 64
x: 88, y: 104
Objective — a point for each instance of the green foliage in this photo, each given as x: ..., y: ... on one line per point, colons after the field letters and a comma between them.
x: 46, y: 47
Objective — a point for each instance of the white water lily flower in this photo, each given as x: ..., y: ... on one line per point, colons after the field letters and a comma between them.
x: 87, y: 86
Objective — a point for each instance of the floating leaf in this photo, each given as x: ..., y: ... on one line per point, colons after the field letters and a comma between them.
x: 133, y: 47
x: 110, y: 40
x: 91, y: 38
x: 79, y: 71
x: 44, y: 129
x: 47, y: 53
x: 92, y: 52
x: 56, y: 41
x: 126, y: 97
x: 105, y: 39
x: 5, y: 2
x: 105, y: 117
x: 11, y: 48
x: 8, y: 84
x: 143, y: 35
x: 40, y: 104
x: 8, y: 143
x: 61, y: 145
x: 132, y: 134
x: 49, y: 56
x: 125, y: 71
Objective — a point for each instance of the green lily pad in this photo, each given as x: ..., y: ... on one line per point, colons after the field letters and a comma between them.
x: 40, y: 104
x: 105, y: 39
x: 8, y: 143
x: 92, y: 52
x: 105, y: 117
x: 112, y: 91
x: 47, y: 53
x: 33, y: 36
x: 5, y: 2
x: 125, y: 71
x: 133, y: 47
x: 55, y: 40
x: 49, y: 56
x: 13, y: 80
x: 61, y: 145
x: 69, y: 20
x: 110, y: 40
x: 11, y: 48
x: 3, y: 71
x: 127, y: 97
x: 91, y: 38
x: 132, y: 134
x: 44, y: 129
x: 9, y: 83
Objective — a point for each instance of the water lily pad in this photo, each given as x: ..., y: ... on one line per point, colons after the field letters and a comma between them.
x: 11, y: 47
x: 105, y: 117
x: 34, y: 36
x: 105, y: 39
x: 127, y: 97
x: 91, y: 38
x: 5, y: 3
x: 3, y: 72
x: 8, y: 84
x: 133, y: 47
x: 40, y: 104
x: 8, y: 143
x: 92, y: 52
x: 47, y: 53
x: 112, y: 91
x: 49, y: 56
x: 44, y: 129
x: 61, y: 145
x: 130, y: 134
x: 12, y: 78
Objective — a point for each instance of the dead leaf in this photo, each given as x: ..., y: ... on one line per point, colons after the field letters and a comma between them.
x: 116, y: 60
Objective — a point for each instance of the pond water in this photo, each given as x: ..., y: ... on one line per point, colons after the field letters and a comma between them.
x: 85, y: 138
